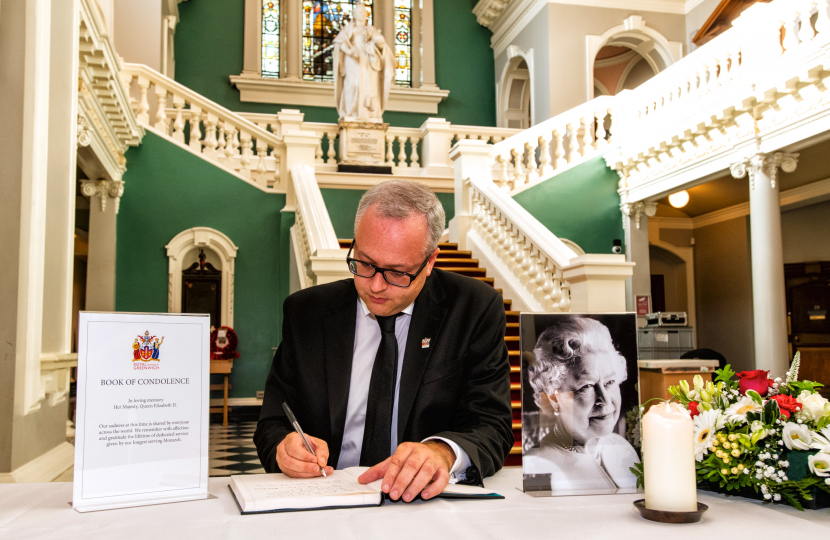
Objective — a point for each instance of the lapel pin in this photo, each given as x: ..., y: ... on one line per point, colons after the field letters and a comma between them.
x: 425, y: 343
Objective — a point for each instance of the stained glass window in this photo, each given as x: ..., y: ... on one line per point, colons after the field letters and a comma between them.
x: 322, y: 20
x: 403, y: 42
x: 270, y: 38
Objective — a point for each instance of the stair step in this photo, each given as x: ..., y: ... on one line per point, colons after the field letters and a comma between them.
x: 517, y: 425
x: 454, y: 254
x: 487, y: 280
x: 465, y: 271
x: 460, y: 263
x: 448, y: 245
x: 344, y: 244
x: 517, y: 449
x: 515, y: 404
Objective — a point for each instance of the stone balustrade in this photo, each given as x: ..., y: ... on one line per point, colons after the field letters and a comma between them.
x: 558, y: 143
x: 762, y: 77
x: 244, y: 148
x: 316, y: 256
x: 533, y: 267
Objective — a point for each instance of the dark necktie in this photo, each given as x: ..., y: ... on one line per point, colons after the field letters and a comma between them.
x: 377, y: 432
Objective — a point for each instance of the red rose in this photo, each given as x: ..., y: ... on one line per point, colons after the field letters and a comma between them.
x: 693, y: 408
x: 787, y: 404
x: 754, y: 380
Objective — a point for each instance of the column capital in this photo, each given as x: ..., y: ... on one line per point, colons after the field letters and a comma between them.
x: 764, y: 163
x: 637, y: 209
x: 103, y: 189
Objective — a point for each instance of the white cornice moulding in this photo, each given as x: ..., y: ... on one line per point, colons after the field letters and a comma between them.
x: 517, y: 14
x: 320, y: 94
x: 335, y: 180
x: 671, y: 223
x: 679, y: 7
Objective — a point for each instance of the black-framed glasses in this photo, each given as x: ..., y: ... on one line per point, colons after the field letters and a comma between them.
x: 392, y: 277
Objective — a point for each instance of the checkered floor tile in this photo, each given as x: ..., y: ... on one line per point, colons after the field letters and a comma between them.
x: 232, y: 450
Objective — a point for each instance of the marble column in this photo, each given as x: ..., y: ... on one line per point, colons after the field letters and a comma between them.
x: 59, y: 246
x: 104, y: 197
x: 427, y: 45
x: 293, y: 39
x: 252, y: 46
x: 635, y: 223
x: 768, y: 296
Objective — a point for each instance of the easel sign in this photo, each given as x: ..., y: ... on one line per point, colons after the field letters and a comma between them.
x: 142, y: 410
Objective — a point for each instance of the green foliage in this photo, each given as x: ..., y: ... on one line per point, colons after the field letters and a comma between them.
x: 726, y: 374
x: 637, y: 471
x: 796, y: 387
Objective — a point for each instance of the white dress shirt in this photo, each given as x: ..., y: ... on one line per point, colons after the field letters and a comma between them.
x: 366, y: 343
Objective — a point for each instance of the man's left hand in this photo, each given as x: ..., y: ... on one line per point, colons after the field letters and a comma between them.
x: 414, y: 468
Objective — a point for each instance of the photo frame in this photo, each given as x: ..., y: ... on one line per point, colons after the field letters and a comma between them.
x: 580, y: 403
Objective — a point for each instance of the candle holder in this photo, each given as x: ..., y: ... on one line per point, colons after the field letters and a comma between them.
x: 667, y: 516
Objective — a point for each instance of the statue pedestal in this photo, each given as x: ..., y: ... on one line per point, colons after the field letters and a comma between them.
x: 363, y: 148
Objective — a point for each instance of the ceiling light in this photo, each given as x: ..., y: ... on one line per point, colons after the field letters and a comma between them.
x: 679, y: 199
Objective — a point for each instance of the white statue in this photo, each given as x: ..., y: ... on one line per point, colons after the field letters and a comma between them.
x: 363, y: 70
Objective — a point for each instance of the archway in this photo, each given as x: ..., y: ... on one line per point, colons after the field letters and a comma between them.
x: 183, y: 250
x: 626, y: 56
x: 514, y: 99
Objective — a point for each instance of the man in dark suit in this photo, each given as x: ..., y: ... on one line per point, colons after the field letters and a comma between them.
x: 403, y: 368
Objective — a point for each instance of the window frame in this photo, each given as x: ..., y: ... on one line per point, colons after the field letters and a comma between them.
x: 291, y: 89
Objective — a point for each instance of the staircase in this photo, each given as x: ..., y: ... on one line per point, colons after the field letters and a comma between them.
x: 450, y: 259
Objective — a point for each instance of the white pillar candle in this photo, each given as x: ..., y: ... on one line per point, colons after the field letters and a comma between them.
x: 668, y: 459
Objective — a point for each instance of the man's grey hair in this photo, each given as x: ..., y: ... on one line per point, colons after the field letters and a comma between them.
x: 399, y: 199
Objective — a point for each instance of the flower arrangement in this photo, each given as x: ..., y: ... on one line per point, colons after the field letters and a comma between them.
x: 752, y: 433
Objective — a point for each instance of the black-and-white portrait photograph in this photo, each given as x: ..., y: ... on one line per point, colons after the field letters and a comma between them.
x: 579, y: 403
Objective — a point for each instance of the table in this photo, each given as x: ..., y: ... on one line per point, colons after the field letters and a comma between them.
x: 222, y: 367
x: 657, y: 375
x: 35, y: 511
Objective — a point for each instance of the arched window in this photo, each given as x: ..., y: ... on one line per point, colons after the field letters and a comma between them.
x: 403, y: 42
x: 322, y: 20
x: 287, y: 53
x: 270, y: 38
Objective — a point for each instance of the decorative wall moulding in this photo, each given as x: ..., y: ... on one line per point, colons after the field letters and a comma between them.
x: 508, y: 18
x: 764, y: 163
x: 319, y: 94
x: 637, y: 210
x: 103, y: 189
x: 206, y: 238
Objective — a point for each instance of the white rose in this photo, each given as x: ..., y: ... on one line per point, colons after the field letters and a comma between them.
x: 819, y: 464
x: 813, y: 406
x: 797, y: 436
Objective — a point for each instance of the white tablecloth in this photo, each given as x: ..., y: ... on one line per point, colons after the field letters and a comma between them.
x: 41, y: 511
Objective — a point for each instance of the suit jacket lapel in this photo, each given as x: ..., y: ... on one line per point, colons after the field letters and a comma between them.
x: 427, y: 318
x: 339, y: 328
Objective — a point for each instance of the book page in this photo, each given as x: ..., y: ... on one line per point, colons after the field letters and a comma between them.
x: 280, y: 486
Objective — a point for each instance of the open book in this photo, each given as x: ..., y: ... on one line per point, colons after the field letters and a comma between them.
x: 261, y: 493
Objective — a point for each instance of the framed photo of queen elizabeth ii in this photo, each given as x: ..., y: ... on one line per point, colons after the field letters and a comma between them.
x: 580, y: 403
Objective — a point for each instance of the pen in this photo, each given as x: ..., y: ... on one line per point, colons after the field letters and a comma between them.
x: 293, y: 420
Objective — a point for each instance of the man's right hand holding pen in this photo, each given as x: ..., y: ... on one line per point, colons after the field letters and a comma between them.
x: 297, y: 462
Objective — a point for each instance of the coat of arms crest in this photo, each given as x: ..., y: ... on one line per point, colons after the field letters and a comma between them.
x: 146, y: 348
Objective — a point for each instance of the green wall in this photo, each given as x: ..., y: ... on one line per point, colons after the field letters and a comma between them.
x: 169, y: 190
x: 342, y: 207
x: 209, y: 44
x: 581, y: 205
